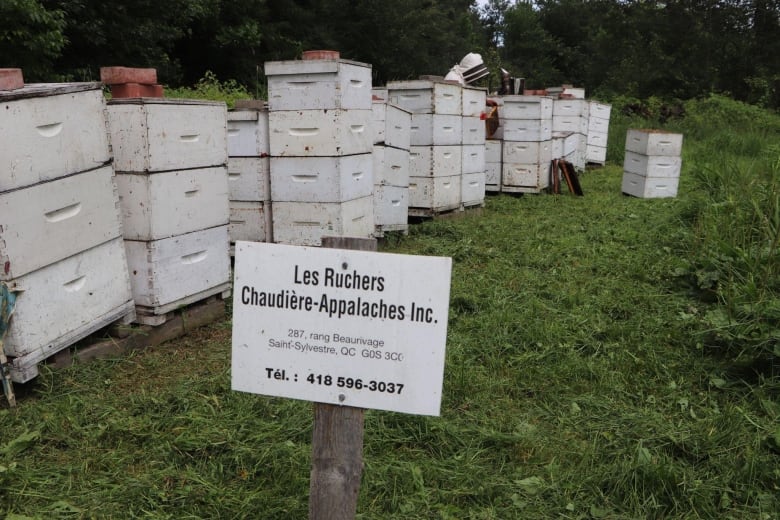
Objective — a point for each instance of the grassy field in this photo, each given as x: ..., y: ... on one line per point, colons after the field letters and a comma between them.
x: 586, y: 376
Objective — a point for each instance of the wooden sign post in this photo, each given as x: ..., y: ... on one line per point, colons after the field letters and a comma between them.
x: 348, y: 329
x: 337, y: 441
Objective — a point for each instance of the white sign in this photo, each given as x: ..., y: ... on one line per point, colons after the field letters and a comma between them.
x: 337, y: 326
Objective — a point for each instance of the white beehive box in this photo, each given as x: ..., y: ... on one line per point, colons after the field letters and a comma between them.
x: 493, y: 177
x: 598, y: 139
x: 168, y: 271
x: 392, y: 125
x: 61, y: 303
x: 473, y: 158
x: 562, y: 144
x: 53, y: 220
x: 249, y: 178
x: 534, y: 176
x: 527, y: 129
x: 472, y: 191
x: 596, y: 154
x: 391, y: 207
x: 570, y: 124
x: 49, y: 131
x: 248, y: 221
x: 426, y: 97
x: 600, y: 110
x: 164, y: 204
x: 653, y: 142
x: 435, y: 129
x: 391, y: 166
x: 473, y: 101
x: 318, y: 84
x: 305, y: 223
x: 652, y: 165
x: 571, y: 108
x: 321, y: 133
x: 158, y: 134
x: 526, y: 107
x: 247, y: 133
x: 473, y: 130
x: 435, y: 161
x: 493, y: 153
x: 434, y: 193
x: 531, y: 152
x: 649, y: 187
x: 598, y: 124
x: 321, y: 179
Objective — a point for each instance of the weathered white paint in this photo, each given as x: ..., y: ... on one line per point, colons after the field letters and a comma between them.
x: 50, y: 221
x: 596, y: 154
x: 318, y: 84
x: 526, y: 129
x: 321, y: 179
x: 158, y: 134
x: 426, y: 97
x: 164, y: 204
x: 247, y: 221
x: 473, y: 130
x: 600, y: 110
x: 526, y: 107
x: 321, y: 133
x: 598, y: 124
x: 66, y: 296
x: 473, y: 188
x: 168, y: 270
x: 391, y: 206
x: 391, y: 166
x: 305, y: 223
x: 536, y: 176
x: 51, y: 135
x: 473, y: 101
x: 531, y: 152
x: 493, y: 150
x: 570, y: 124
x: 247, y: 133
x: 473, y: 158
x: 435, y: 161
x: 652, y: 165
x: 436, y: 129
x: 571, y: 107
x: 653, y: 142
x: 493, y: 176
x: 649, y: 187
x: 248, y: 178
x: 597, y: 138
x: 435, y: 193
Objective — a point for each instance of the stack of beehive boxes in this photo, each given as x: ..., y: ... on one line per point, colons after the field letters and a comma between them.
x: 598, y: 131
x: 436, y: 151
x: 651, y: 168
x: 321, y: 142
x: 392, y: 139
x: 170, y: 158
x: 61, y: 245
x: 473, y: 162
x: 572, y: 115
x: 527, y: 145
x: 249, y: 180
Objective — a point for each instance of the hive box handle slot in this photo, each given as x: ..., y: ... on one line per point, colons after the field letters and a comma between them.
x: 76, y: 284
x: 190, y: 138
x: 191, y: 193
x: 50, y: 130
x: 304, y: 132
x: 304, y: 178
x: 194, y: 258
x: 65, y: 213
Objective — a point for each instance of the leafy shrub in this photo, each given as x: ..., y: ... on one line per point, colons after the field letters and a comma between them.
x: 211, y: 88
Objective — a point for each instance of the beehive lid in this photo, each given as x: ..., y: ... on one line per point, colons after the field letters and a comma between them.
x: 31, y: 90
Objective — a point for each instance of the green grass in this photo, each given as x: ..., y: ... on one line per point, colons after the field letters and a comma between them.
x: 580, y: 382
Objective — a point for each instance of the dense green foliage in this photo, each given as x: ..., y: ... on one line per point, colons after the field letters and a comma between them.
x: 583, y: 377
x: 640, y: 48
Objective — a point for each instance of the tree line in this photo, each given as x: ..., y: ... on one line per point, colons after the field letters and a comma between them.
x: 637, y: 48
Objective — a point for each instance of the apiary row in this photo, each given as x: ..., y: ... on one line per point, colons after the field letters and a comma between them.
x: 534, y: 129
